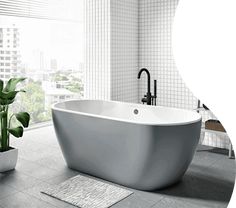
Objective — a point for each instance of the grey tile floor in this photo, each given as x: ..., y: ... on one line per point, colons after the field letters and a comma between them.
x: 208, y: 182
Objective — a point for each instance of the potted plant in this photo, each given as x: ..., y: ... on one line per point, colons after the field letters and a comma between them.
x: 9, y: 155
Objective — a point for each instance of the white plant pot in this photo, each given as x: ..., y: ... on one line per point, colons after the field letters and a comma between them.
x: 8, y: 160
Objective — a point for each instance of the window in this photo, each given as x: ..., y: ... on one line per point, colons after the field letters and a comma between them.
x: 49, y: 52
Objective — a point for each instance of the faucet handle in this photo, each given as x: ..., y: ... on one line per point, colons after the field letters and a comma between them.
x: 155, y: 93
x: 155, y: 88
x: 144, y: 100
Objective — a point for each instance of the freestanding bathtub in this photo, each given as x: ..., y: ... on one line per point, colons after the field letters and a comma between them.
x: 139, y: 146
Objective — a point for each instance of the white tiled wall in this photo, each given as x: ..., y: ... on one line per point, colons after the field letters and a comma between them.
x: 111, y: 50
x: 155, y: 53
x: 124, y: 50
x: 97, y: 49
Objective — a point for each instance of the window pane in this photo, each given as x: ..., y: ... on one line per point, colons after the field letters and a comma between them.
x: 50, y: 54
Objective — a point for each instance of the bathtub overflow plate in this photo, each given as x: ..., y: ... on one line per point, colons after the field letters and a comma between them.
x: 135, y: 111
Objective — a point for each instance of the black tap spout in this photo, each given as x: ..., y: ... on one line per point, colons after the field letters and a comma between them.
x: 149, y: 78
x: 148, y: 97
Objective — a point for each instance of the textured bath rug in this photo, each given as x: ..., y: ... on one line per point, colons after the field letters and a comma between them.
x: 85, y: 192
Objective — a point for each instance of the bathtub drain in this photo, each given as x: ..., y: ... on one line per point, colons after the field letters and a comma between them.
x: 135, y: 111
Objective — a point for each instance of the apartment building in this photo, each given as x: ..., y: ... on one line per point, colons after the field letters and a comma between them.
x: 9, y: 52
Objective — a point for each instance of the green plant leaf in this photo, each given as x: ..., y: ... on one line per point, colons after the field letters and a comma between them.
x: 1, y: 85
x: 11, y: 84
x: 17, y: 132
x: 9, y: 95
x: 7, y: 98
x: 23, y: 118
x: 6, y: 102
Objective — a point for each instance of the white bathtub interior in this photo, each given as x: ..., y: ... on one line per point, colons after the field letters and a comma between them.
x: 125, y: 112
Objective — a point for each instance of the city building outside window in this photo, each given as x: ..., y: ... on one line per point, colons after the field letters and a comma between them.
x: 50, y: 54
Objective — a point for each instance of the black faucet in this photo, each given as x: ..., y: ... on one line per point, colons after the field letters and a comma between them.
x: 148, y: 97
x: 154, y: 98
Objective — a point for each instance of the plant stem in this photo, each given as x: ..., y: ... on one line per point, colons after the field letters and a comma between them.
x: 4, y: 139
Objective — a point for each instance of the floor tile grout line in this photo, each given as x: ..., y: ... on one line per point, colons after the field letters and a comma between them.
x: 187, y: 202
x: 158, y: 202
x: 40, y: 199
x: 40, y: 181
x: 46, y: 180
x: 19, y: 190
x: 33, y: 162
x: 40, y: 164
x: 195, y: 175
x: 224, y: 159
x: 215, y: 162
x: 212, y: 163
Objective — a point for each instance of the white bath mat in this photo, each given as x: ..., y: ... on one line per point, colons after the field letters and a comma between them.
x: 85, y: 192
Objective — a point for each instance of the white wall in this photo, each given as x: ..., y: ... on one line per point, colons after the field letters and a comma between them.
x: 97, y: 46
x: 155, y: 53
x: 124, y: 36
x: 111, y: 50
x: 124, y: 50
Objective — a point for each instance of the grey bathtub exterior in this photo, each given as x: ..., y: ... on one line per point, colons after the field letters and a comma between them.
x: 140, y: 156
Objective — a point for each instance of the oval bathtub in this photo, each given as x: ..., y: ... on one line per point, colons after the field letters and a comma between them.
x: 139, y: 146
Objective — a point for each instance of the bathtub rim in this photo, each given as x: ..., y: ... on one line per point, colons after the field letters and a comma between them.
x: 54, y: 107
